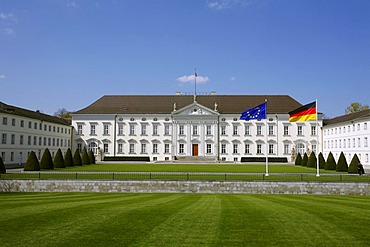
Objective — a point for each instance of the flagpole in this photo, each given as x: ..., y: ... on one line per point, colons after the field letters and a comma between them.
x: 267, y: 158
x: 195, y: 81
x: 317, y: 143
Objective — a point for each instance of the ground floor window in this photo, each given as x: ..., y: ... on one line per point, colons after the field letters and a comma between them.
x: 105, y: 149
x: 259, y: 148
x: 132, y: 148
x: 209, y: 148
x: 235, y: 148
x: 271, y: 148
x: 166, y: 148
x: 181, y: 148
x: 92, y: 147
x: 301, y: 148
x: 223, y: 148
x: 247, y: 149
x: 120, y: 148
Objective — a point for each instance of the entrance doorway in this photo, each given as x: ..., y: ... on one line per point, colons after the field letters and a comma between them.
x: 195, y: 149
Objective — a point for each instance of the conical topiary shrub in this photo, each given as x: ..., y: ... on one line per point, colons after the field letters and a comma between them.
x: 59, y: 160
x: 77, y: 158
x: 298, y: 160
x: 321, y: 161
x: 91, y: 157
x: 46, y: 160
x: 354, y: 165
x: 305, y: 159
x: 85, y: 157
x: 342, y: 165
x: 68, y: 160
x: 330, y: 162
x: 312, y: 160
x: 32, y: 163
x: 2, y: 166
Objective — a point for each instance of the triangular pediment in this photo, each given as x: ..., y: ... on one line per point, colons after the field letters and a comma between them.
x: 195, y: 109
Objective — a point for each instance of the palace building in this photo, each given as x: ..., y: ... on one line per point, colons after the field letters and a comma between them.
x: 206, y: 127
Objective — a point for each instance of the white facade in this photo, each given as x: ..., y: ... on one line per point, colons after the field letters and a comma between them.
x: 194, y: 130
x: 21, y: 134
x: 350, y: 137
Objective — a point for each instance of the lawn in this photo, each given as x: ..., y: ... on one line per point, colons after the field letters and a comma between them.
x: 98, y: 219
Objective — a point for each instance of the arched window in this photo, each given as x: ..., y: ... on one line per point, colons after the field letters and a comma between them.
x: 301, y: 148
x: 93, y: 147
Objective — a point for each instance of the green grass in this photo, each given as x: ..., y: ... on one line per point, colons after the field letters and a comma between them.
x: 92, y: 219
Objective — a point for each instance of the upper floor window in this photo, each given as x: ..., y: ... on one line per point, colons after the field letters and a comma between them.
x: 300, y: 130
x: 271, y: 130
x: 13, y: 121
x: 92, y: 129
x: 166, y: 129
x: 247, y: 130
x: 143, y: 129
x: 5, y: 121
x: 195, y: 129
x: 3, y: 139
x: 155, y: 129
x: 313, y: 130
x: 286, y: 130
x: 106, y: 129
x: 209, y: 130
x: 365, y: 126
x: 235, y: 130
x: 132, y: 129
x: 181, y: 130
x: 259, y: 130
x: 223, y: 130
x: 79, y: 129
x: 22, y: 123
x: 120, y: 129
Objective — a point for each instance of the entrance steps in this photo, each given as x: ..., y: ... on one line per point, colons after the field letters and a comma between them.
x: 196, y: 159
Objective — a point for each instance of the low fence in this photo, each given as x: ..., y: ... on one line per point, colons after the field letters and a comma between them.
x: 185, y: 176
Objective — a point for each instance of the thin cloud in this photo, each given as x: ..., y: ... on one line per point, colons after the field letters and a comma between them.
x: 191, y: 79
x: 72, y: 4
x: 2, y: 77
x: 6, y: 17
x: 232, y: 78
x: 227, y: 4
x: 8, y: 31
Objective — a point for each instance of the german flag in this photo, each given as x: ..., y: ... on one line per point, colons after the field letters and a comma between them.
x: 304, y: 113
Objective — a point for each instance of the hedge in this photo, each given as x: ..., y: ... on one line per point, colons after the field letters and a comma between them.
x: 321, y: 161
x: 263, y: 159
x: 330, y: 162
x: 2, y: 166
x: 305, y: 159
x: 32, y: 163
x: 68, y: 159
x: 91, y: 157
x: 127, y: 158
x: 353, y: 166
x: 312, y: 160
x: 46, y: 160
x: 342, y: 165
x: 59, y: 160
x: 85, y: 157
x: 298, y: 160
x: 77, y: 158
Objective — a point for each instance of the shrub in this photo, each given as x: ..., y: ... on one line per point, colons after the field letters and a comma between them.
x: 305, y: 159
x: 91, y: 157
x: 68, y: 160
x: 353, y: 165
x: 312, y: 160
x: 298, y: 160
x: 85, y: 157
x: 330, y: 162
x: 127, y: 158
x: 77, y: 158
x: 2, y: 166
x: 59, y: 160
x: 46, y: 160
x: 32, y: 163
x: 342, y: 165
x: 321, y: 161
x: 263, y: 159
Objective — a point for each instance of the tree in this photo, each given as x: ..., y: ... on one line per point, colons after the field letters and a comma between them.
x: 312, y: 160
x: 59, y: 160
x: 354, y: 165
x: 77, y: 158
x: 330, y: 162
x: 321, y: 161
x: 342, y: 165
x: 68, y: 160
x: 46, y: 160
x: 305, y: 159
x: 91, y: 157
x: 85, y: 157
x: 32, y: 163
x: 298, y: 160
x: 356, y: 107
x: 2, y: 166
x: 63, y: 113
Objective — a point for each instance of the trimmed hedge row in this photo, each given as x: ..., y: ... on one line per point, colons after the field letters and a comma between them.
x: 263, y: 159
x: 127, y: 158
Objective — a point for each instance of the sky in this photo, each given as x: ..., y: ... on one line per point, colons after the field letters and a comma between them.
x: 68, y: 53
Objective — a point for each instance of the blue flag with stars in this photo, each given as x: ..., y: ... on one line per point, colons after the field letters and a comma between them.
x: 255, y: 113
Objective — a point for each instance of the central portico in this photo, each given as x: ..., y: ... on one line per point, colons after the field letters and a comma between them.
x: 195, y: 131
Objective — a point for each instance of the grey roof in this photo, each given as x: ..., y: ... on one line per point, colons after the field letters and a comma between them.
x: 163, y: 104
x: 348, y: 117
x: 13, y: 110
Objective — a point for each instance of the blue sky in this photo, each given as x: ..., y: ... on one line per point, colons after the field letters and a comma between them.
x: 69, y: 53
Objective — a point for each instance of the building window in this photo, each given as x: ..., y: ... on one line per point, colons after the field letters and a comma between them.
x: 359, y: 142
x: 155, y: 129
x: 79, y: 129
x: 344, y: 143
x: 223, y: 130
x: 365, y: 142
x: 120, y: 129
x: 143, y: 129
x: 286, y: 149
x: 21, y: 140
x: 209, y: 130
x: 271, y: 148
x: 29, y: 124
x: 365, y: 126
x: 166, y: 148
x: 3, y: 139
x: 92, y: 129
x: 209, y: 148
x: 132, y: 148
x: 132, y: 129
x: 223, y: 148
x: 166, y: 129
x: 247, y: 130
x: 271, y: 130
x: 181, y: 130
x: 105, y: 148
x: 12, y: 139
x: 313, y: 130
x: 286, y: 130
x: 300, y: 130
x: 79, y: 147
x: 353, y: 142
x: 11, y: 156
x: 40, y: 141
x: 155, y: 148
x: 259, y: 130
x: 195, y: 129
x: 22, y: 123
x: 105, y: 129
x: 235, y: 148
x: 313, y: 148
x: 358, y: 127
x: 143, y: 148
x: 120, y: 148
x: 235, y: 130
x: 13, y: 121
x: 247, y: 148
x: 259, y: 148
x: 35, y: 126
x: 5, y: 121
x: 35, y: 141
x: 181, y: 148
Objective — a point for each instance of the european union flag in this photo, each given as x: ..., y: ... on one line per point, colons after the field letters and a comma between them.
x: 255, y: 113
